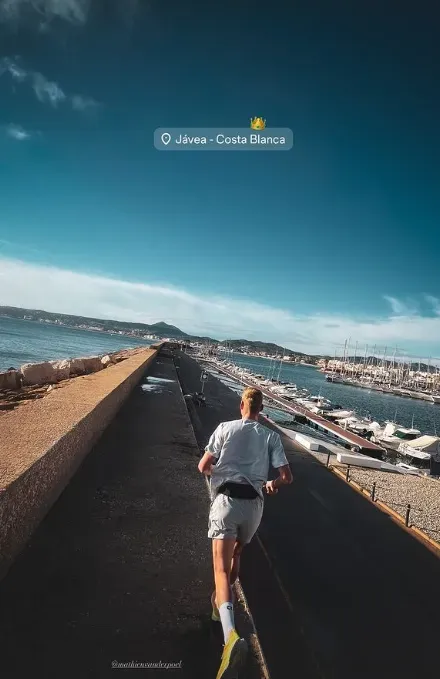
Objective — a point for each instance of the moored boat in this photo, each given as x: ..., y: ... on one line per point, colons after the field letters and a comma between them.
x: 418, y: 452
x: 394, y: 434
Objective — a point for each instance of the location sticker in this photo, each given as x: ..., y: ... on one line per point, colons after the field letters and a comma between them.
x: 256, y: 137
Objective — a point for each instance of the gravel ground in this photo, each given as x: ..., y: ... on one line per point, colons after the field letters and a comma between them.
x: 399, y: 490
x: 423, y: 494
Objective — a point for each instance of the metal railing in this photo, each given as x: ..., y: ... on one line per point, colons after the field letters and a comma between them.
x: 411, y: 516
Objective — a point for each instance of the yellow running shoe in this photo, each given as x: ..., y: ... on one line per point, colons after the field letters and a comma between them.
x: 215, y: 615
x: 233, y: 657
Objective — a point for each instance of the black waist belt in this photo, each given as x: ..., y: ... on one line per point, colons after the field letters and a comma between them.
x: 243, y: 491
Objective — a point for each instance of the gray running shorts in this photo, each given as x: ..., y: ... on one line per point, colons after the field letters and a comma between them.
x: 231, y: 517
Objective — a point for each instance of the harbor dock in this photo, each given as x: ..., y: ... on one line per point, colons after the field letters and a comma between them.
x: 348, y: 438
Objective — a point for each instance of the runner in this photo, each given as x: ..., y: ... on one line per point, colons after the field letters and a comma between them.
x: 237, y: 459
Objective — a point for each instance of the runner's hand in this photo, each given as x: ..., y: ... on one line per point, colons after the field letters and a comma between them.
x: 271, y: 489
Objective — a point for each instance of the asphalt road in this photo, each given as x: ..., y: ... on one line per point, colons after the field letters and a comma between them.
x: 336, y: 588
x: 120, y: 569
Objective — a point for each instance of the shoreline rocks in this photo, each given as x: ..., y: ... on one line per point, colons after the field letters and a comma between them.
x: 37, y: 373
x: 62, y: 369
x: 52, y: 372
x: 10, y: 380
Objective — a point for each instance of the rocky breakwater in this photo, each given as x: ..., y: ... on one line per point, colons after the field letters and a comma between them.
x: 33, y: 380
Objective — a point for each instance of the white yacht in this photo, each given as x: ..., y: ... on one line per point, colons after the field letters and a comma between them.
x: 393, y: 435
x: 284, y: 390
x: 318, y: 404
x: 332, y: 377
x: 338, y: 414
x: 418, y: 452
x: 358, y: 425
x: 422, y: 395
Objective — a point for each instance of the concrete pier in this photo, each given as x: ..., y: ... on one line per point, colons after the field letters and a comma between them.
x: 337, y: 589
x: 120, y: 569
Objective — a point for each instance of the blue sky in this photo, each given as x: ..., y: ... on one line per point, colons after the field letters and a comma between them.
x: 337, y: 237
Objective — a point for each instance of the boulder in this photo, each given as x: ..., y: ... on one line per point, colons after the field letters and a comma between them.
x: 10, y: 380
x: 62, y: 370
x: 119, y: 356
x: 38, y: 373
x: 106, y: 361
x: 76, y: 367
x: 92, y: 364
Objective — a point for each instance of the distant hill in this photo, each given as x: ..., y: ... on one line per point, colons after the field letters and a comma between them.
x: 139, y: 329
x: 166, y: 329
x: 267, y: 347
x: 81, y: 321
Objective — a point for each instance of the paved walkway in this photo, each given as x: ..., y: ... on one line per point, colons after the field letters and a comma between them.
x: 120, y: 569
x: 337, y: 589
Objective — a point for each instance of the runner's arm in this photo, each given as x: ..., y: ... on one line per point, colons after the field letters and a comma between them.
x: 212, y: 452
x: 205, y: 464
x: 284, y: 476
x: 279, y: 461
x: 283, y: 479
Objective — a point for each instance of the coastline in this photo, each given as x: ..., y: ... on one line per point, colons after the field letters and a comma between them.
x: 31, y: 341
x: 18, y: 389
x: 80, y: 327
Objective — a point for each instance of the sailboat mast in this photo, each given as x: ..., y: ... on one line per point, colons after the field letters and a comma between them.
x: 428, y: 379
x: 383, y: 365
x: 354, y: 362
x: 281, y: 364
x: 392, y: 366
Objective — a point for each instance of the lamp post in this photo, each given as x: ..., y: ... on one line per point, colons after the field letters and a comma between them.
x: 203, y: 378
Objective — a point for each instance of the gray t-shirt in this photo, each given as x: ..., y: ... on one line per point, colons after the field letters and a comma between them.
x: 244, y: 450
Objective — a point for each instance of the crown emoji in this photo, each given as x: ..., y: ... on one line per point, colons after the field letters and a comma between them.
x: 258, y: 123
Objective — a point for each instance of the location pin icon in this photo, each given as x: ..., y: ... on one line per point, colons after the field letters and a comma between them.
x: 166, y: 138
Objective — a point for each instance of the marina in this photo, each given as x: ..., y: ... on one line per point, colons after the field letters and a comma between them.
x: 395, y: 375
x: 386, y: 482
x: 353, y: 441
x: 316, y: 414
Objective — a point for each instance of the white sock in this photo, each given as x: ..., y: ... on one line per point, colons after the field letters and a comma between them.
x: 226, y: 611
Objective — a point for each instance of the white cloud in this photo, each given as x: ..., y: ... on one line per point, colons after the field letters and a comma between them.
x: 400, y: 307
x: 396, y: 305
x: 73, y: 11
x: 17, y: 132
x: 434, y: 302
x: 14, y: 69
x: 80, y: 103
x: 53, y: 289
x: 46, y: 91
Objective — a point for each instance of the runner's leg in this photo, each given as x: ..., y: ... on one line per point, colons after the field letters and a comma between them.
x: 222, y: 554
x: 235, y: 568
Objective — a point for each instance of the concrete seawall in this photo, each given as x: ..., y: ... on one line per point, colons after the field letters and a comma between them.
x: 43, y: 443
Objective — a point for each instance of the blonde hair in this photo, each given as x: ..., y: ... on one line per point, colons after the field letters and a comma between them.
x: 253, y: 398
